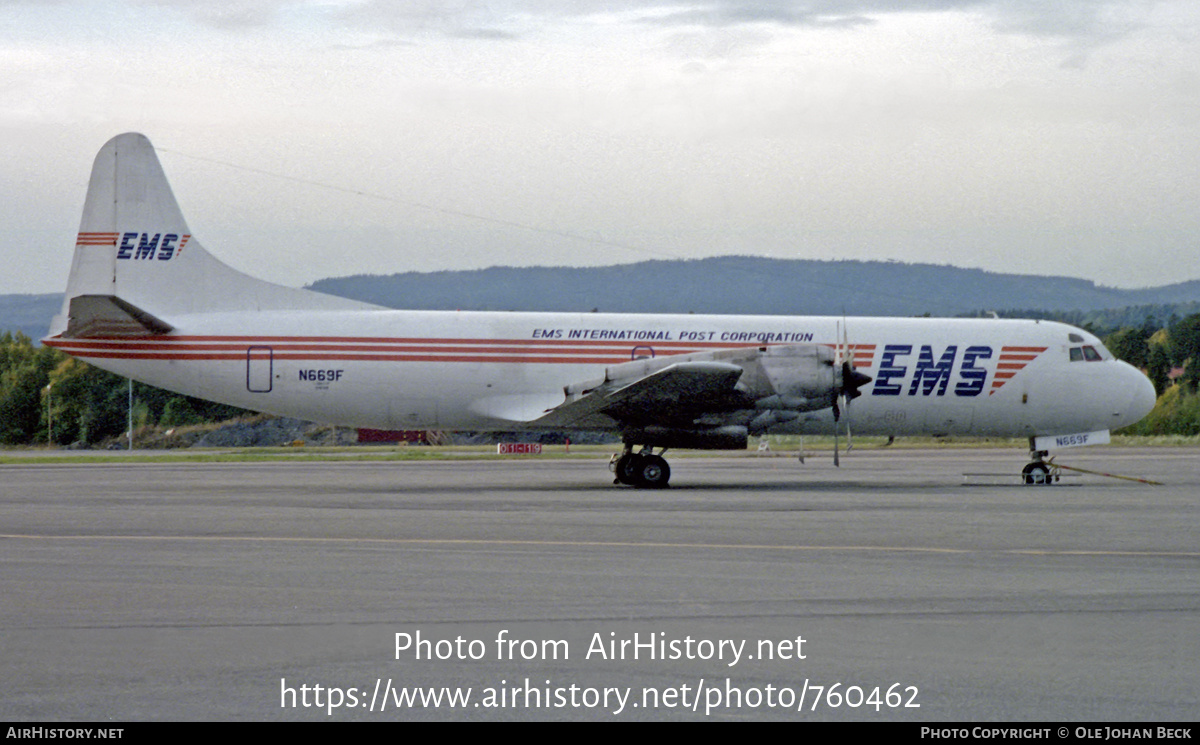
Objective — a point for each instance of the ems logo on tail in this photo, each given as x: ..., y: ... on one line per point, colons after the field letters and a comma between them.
x: 138, y: 246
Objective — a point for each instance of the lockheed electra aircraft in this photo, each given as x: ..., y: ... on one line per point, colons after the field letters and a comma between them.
x: 146, y: 301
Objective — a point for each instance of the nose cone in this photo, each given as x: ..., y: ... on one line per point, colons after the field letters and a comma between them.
x: 1139, y: 397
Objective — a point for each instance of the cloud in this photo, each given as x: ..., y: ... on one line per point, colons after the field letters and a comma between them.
x: 722, y: 126
x: 1084, y: 22
x: 228, y: 15
x: 461, y: 19
x: 1097, y: 21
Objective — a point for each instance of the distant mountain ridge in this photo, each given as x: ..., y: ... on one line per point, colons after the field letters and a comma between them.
x: 749, y: 285
x: 723, y: 285
x: 29, y: 314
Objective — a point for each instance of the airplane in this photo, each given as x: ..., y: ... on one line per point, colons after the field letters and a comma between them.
x: 145, y: 300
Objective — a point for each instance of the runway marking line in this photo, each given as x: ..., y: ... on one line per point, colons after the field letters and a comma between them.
x: 607, y: 544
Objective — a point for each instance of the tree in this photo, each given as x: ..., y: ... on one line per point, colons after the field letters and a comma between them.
x: 88, y: 402
x: 24, y: 373
x: 1158, y: 367
x: 1185, y: 349
x: 1130, y: 344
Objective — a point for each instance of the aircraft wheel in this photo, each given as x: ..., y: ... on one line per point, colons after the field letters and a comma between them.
x: 655, y: 473
x: 628, y: 469
x: 1036, y: 473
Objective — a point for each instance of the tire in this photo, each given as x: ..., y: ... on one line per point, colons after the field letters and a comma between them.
x: 628, y: 469
x: 654, y: 472
x: 1036, y: 473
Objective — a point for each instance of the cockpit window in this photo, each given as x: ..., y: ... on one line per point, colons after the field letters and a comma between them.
x: 1075, y: 338
x: 1086, y: 353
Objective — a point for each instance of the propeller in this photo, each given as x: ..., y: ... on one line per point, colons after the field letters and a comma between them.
x: 852, y: 380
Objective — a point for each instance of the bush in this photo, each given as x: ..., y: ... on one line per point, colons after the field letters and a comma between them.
x: 1177, y: 412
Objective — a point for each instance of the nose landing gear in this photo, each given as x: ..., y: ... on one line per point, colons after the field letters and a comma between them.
x: 1039, y: 471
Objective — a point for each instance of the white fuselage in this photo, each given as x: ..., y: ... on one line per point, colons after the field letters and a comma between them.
x: 497, y: 371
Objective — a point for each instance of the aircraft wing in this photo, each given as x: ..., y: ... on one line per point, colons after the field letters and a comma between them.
x: 673, y: 392
x: 706, y: 399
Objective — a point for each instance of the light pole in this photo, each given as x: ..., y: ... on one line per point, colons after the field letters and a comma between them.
x: 49, y: 416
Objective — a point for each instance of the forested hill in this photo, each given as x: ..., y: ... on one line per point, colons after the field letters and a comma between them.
x: 728, y: 284
x: 738, y: 284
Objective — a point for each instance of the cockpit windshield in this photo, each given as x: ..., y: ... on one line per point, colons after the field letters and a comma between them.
x: 1082, y: 351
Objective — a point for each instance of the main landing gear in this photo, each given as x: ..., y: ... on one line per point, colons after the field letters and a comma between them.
x: 643, y: 470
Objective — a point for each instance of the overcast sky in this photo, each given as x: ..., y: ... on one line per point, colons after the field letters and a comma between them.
x: 315, y: 139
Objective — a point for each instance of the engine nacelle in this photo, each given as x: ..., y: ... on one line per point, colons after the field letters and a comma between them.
x: 800, y: 377
x: 714, y: 400
x: 767, y: 419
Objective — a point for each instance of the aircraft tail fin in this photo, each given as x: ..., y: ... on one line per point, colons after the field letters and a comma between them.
x: 135, y: 251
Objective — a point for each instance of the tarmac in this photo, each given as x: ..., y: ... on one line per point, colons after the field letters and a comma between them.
x: 893, y: 588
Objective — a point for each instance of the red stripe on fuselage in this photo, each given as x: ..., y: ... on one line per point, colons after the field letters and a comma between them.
x: 385, y: 349
x: 1012, y: 361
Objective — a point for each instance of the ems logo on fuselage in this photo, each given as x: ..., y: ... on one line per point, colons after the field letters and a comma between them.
x: 930, y: 373
x: 146, y: 246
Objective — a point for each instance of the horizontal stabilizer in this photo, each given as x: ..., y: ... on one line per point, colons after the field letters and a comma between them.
x: 106, y: 316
